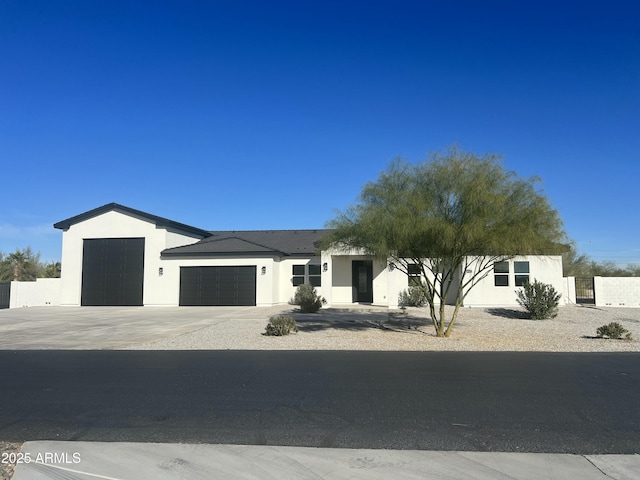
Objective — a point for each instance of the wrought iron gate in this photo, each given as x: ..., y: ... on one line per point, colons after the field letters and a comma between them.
x: 585, y: 291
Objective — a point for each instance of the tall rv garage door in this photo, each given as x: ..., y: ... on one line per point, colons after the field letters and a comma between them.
x: 218, y: 286
x: 112, y: 271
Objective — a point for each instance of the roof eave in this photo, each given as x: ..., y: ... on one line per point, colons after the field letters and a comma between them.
x: 159, y: 221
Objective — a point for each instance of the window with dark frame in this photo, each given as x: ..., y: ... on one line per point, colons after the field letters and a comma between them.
x: 315, y: 277
x: 521, y: 269
x: 306, y: 274
x: 415, y: 274
x: 298, y: 275
x: 501, y: 274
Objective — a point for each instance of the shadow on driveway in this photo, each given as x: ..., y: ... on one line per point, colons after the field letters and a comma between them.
x: 358, y: 320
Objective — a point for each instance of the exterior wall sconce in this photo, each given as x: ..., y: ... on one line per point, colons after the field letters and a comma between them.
x: 325, y: 266
x: 392, y: 266
x: 160, y: 271
x: 263, y: 270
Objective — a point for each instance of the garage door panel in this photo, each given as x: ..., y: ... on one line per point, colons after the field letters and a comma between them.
x: 218, y: 286
x: 113, y: 272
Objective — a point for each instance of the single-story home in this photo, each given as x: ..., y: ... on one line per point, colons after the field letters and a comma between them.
x: 116, y: 255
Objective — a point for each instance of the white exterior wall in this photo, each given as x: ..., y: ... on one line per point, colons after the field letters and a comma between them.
x: 546, y: 269
x: 617, y: 291
x: 42, y: 292
x: 169, y: 282
x: 341, y: 280
x: 283, y: 287
x: 114, y: 224
x: 569, y: 291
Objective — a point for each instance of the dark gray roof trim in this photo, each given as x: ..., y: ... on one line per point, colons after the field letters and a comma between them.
x: 253, y: 242
x: 159, y: 221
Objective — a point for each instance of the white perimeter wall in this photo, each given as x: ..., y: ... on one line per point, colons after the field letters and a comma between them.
x: 42, y: 292
x: 617, y: 291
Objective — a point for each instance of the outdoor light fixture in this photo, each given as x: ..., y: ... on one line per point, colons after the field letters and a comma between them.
x: 325, y: 266
x: 264, y: 270
x: 392, y: 266
x: 160, y: 271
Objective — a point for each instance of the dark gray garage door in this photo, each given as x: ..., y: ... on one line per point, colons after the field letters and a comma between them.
x: 112, y: 271
x: 217, y: 286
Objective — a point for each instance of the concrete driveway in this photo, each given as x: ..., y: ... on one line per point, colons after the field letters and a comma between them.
x: 110, y: 328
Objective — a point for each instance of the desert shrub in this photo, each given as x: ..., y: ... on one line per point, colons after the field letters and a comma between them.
x: 614, y: 330
x: 280, y: 325
x: 414, y: 296
x: 539, y: 300
x: 307, y: 299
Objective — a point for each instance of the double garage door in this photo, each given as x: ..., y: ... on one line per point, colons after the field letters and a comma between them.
x: 218, y: 286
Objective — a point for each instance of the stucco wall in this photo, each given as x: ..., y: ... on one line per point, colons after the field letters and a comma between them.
x: 546, y: 269
x: 617, y: 291
x: 115, y: 224
x: 169, y: 282
x: 283, y: 286
x: 42, y: 292
x: 341, y: 280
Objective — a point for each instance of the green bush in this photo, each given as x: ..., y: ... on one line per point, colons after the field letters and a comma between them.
x: 614, y: 330
x: 414, y: 296
x: 539, y: 300
x: 307, y: 299
x: 280, y: 325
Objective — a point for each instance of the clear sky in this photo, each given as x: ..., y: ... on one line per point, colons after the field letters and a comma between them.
x: 273, y: 114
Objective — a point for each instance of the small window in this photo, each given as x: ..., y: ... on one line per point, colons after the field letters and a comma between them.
x: 298, y: 275
x: 522, y: 273
x: 315, y: 277
x: 415, y: 274
x: 501, y: 274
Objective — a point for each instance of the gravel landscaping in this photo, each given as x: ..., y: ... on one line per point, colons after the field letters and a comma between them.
x: 371, y: 328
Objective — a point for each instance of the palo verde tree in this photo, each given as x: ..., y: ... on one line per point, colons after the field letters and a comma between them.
x: 453, y: 216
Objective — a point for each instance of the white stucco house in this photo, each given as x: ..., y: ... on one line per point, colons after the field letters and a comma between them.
x: 116, y: 255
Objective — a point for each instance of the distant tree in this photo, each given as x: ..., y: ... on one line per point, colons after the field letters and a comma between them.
x: 575, y: 264
x: 50, y: 270
x: 24, y: 265
x: 453, y: 216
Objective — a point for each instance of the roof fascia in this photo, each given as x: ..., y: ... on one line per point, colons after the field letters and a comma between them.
x: 159, y: 221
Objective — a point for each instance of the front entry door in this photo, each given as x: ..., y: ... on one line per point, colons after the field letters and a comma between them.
x: 362, y: 278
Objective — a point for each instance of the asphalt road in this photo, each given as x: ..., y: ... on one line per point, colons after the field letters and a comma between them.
x: 513, y: 402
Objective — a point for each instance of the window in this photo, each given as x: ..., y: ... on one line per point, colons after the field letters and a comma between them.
x: 306, y: 274
x: 415, y: 274
x: 501, y: 274
x: 521, y: 270
x: 315, y: 278
x: 298, y: 275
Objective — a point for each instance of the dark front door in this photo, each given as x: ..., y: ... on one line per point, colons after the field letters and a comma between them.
x: 218, y: 286
x: 112, y: 271
x: 362, y: 278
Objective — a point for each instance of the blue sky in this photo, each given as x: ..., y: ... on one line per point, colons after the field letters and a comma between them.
x: 272, y: 115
